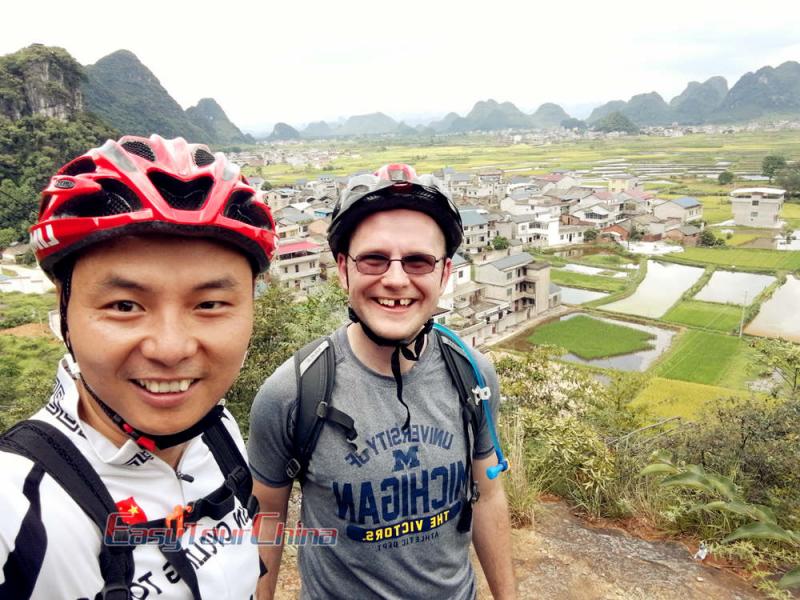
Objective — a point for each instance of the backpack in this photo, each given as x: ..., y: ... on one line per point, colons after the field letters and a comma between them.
x: 53, y: 453
x: 315, y: 369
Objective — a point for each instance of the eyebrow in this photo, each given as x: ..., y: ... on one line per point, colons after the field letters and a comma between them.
x: 117, y: 281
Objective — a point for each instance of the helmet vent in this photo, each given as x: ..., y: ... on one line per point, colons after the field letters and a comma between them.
x: 182, y: 195
x: 140, y: 149
x: 203, y: 158
x: 241, y: 207
x: 115, y: 199
x: 79, y: 167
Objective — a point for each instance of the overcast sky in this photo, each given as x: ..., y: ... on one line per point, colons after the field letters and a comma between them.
x: 302, y: 61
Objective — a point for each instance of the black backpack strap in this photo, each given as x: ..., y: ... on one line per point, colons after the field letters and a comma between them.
x: 314, y: 367
x: 465, y: 381
x: 232, y: 464
x: 49, y: 448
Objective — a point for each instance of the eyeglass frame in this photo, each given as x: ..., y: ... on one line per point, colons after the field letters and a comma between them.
x: 401, y: 260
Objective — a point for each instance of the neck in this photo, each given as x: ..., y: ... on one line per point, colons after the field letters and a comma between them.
x: 91, y: 414
x: 375, y: 357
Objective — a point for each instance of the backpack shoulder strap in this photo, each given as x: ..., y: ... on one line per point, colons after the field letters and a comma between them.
x: 314, y: 368
x: 231, y: 463
x: 48, y: 447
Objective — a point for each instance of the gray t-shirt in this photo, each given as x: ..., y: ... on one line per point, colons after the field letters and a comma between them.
x: 395, y: 501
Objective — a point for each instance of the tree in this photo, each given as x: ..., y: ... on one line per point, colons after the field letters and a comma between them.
x: 573, y: 123
x: 789, y: 180
x: 266, y: 186
x: 616, y: 121
x: 725, y: 178
x: 771, y: 164
x: 707, y: 238
x: 782, y: 358
x: 590, y: 235
x: 500, y: 243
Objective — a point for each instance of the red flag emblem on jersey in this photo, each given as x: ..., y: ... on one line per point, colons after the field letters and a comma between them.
x: 131, y: 513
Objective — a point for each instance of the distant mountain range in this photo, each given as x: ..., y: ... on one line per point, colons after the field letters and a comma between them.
x: 128, y: 97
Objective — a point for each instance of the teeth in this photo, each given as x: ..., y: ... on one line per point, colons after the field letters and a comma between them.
x: 391, y: 302
x: 165, y: 387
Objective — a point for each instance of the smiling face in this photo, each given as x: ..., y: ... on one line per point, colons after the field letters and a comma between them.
x: 395, y: 305
x: 159, y: 327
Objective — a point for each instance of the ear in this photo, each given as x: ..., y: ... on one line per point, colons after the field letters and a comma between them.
x: 341, y: 267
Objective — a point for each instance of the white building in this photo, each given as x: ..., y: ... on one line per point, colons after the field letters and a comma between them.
x: 757, y: 207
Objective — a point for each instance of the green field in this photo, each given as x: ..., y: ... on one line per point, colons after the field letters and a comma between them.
x: 670, y: 398
x: 591, y: 338
x: 588, y: 282
x: 705, y: 315
x: 708, y: 358
x: 468, y: 153
x: 605, y: 260
x: 743, y: 258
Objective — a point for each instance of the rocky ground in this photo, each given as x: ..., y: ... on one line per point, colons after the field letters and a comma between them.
x: 562, y: 557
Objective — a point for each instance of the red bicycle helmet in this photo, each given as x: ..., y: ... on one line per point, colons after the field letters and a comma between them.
x: 140, y: 185
x: 391, y: 187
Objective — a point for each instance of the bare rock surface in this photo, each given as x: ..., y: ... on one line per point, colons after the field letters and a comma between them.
x: 561, y: 557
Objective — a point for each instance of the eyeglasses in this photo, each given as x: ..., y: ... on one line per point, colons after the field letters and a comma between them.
x: 378, y: 264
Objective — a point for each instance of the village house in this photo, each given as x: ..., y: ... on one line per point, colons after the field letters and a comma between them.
x: 297, y: 265
x: 757, y: 207
x: 518, y: 280
x: 623, y: 183
x: 687, y: 209
x: 476, y: 231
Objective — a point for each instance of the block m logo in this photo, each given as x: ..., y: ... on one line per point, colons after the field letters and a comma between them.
x: 405, y: 460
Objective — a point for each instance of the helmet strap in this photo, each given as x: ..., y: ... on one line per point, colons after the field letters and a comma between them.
x: 400, y: 346
x: 150, y: 441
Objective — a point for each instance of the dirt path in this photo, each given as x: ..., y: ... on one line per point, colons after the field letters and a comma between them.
x: 563, y: 558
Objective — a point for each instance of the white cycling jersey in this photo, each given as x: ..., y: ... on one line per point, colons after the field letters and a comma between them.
x: 47, y: 539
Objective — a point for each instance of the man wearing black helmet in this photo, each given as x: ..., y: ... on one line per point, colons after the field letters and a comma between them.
x: 399, y: 469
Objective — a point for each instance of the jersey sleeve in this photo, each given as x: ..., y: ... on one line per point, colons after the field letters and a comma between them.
x: 483, y: 442
x: 272, y: 421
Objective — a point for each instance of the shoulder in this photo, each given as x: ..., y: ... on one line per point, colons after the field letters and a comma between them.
x: 278, y: 392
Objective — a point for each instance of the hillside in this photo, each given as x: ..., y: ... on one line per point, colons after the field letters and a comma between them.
x: 209, y: 116
x: 548, y: 116
x: 282, y: 131
x: 699, y: 100
x: 40, y: 80
x: 126, y: 94
x: 768, y: 91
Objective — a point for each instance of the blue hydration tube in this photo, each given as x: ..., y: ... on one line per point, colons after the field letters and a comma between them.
x: 483, y: 393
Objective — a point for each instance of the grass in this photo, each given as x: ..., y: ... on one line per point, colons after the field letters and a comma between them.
x: 588, y: 282
x: 708, y: 358
x: 742, y: 258
x: 705, y: 315
x: 670, y: 398
x: 590, y: 338
x: 605, y: 260
x: 17, y: 308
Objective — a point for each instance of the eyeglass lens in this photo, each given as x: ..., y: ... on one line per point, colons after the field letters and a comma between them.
x: 413, y: 264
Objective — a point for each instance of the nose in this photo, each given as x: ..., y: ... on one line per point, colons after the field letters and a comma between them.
x: 169, y: 342
x: 395, y: 276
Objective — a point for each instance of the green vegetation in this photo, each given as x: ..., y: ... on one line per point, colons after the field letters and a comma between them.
x: 771, y: 164
x: 27, y: 367
x: 670, y: 398
x: 705, y: 315
x: 709, y: 358
x: 591, y: 338
x: 748, y: 259
x: 17, y: 308
x: 588, y: 282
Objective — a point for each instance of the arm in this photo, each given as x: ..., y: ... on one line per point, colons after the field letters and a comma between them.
x: 491, y: 531
x: 270, y: 500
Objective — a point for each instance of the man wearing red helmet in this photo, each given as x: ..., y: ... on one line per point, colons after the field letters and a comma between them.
x: 401, y: 462
x: 131, y: 481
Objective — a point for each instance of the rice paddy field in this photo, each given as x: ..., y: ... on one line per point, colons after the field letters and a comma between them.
x: 742, y: 258
x: 724, y: 318
x: 708, y: 358
x: 587, y: 282
x: 671, y: 398
x: 590, y: 338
